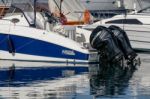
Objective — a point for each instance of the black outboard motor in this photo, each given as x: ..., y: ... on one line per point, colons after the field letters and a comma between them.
x: 124, y: 43
x: 104, y: 41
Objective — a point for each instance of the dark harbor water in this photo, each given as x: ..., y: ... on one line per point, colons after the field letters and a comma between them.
x: 67, y: 81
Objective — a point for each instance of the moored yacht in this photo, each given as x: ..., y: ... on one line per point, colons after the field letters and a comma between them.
x: 137, y: 27
x: 24, y: 37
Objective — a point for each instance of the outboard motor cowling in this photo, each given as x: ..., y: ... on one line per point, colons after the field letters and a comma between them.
x: 102, y: 39
x: 124, y: 43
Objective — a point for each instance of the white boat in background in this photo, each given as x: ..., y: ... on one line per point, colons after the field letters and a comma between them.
x: 137, y: 27
x: 24, y: 37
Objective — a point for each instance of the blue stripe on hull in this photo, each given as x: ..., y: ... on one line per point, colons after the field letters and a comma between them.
x: 30, y: 46
x: 28, y: 75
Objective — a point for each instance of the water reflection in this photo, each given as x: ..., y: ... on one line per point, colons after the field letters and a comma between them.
x: 110, y: 80
x: 61, y: 81
x: 27, y: 80
x: 31, y: 72
x: 63, y: 88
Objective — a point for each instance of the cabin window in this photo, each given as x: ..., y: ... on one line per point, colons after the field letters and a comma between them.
x: 124, y: 21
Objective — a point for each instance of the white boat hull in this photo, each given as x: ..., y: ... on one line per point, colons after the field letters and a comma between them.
x: 139, y: 36
x: 23, y: 43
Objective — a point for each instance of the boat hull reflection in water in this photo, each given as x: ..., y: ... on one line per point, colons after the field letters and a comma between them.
x: 32, y: 72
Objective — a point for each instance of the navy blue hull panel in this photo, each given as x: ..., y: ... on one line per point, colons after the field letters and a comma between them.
x: 35, y: 47
x: 28, y: 75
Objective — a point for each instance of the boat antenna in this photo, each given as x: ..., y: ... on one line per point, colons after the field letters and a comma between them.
x: 125, y: 18
x: 34, y: 25
x: 61, y: 7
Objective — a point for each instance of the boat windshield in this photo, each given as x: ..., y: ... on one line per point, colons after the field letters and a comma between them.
x: 27, y: 8
x: 23, y: 7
